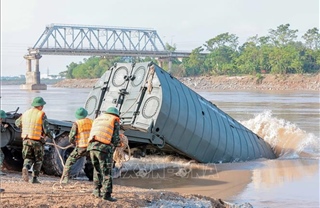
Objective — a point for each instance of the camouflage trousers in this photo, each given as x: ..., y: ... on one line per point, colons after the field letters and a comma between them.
x: 102, y: 171
x: 77, y: 153
x: 32, y: 153
x: 1, y: 159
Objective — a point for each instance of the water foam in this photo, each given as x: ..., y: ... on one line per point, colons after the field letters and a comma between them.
x: 286, y: 139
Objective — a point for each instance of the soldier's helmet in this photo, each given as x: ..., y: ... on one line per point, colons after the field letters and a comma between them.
x: 81, y: 113
x: 3, y: 114
x: 113, y: 110
x: 38, y: 101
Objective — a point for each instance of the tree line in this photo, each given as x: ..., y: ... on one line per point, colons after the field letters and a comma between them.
x: 278, y: 53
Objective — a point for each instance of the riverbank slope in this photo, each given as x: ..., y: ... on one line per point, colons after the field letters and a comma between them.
x: 247, y: 82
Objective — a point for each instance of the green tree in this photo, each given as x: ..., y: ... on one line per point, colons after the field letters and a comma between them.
x: 279, y: 53
x: 221, y: 41
x: 70, y: 69
x: 312, y: 39
x: 223, y: 52
x: 283, y: 35
x: 285, y: 59
x: 194, y: 64
x: 171, y: 48
x: 248, y: 61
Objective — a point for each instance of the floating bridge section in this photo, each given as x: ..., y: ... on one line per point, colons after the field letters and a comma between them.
x: 84, y: 40
x: 158, y: 111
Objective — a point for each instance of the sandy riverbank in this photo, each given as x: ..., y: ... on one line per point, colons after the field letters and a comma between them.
x: 248, y: 82
x: 78, y: 194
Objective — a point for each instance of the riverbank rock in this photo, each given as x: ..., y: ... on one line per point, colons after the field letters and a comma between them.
x: 246, y: 82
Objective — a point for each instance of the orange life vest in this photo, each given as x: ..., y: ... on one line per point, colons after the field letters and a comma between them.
x: 102, y: 128
x: 84, y: 127
x: 32, y: 124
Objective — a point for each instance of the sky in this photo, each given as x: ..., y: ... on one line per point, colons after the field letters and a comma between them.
x: 185, y: 23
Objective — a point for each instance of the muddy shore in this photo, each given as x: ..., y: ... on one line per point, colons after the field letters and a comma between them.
x: 294, y: 82
x: 50, y: 194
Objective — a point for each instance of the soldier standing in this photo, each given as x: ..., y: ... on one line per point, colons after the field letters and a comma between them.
x: 104, y: 137
x: 35, y: 127
x: 3, y: 129
x: 79, y: 135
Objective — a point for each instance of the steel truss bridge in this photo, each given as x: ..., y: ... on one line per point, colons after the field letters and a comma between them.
x: 83, y: 40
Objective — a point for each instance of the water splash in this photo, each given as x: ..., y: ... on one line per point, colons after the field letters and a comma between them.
x: 286, y: 139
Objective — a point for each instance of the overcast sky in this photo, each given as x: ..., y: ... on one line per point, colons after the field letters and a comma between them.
x: 188, y: 24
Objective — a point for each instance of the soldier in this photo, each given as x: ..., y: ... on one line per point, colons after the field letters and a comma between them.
x: 79, y: 135
x: 3, y: 129
x: 104, y: 137
x: 35, y: 127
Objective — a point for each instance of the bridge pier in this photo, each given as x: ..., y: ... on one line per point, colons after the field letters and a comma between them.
x: 170, y: 66
x: 33, y: 77
x: 161, y: 63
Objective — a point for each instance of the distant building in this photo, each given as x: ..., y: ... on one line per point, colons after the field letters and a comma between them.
x: 46, y: 76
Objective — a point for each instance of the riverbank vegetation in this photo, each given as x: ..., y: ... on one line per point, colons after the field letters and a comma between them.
x: 280, y: 52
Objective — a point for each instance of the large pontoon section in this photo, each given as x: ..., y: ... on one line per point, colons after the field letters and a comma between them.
x: 157, y: 110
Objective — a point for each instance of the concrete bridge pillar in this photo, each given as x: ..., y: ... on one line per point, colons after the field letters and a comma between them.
x: 169, y: 66
x: 33, y: 77
x: 162, y: 61
x: 28, y: 65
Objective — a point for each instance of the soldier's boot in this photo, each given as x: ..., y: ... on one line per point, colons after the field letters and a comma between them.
x: 35, y: 180
x: 1, y: 190
x: 25, y: 174
x: 108, y: 197
x: 96, y: 193
x: 1, y: 173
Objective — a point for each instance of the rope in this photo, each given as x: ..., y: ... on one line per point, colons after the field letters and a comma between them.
x: 119, y: 155
x: 150, y: 78
x: 56, y: 147
x: 54, y: 144
x: 69, y: 187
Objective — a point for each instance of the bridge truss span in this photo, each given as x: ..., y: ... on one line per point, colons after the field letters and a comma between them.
x: 94, y: 40
x: 103, y: 41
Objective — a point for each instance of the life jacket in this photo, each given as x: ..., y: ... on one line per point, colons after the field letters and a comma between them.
x: 32, y: 124
x: 102, y: 128
x: 84, y: 127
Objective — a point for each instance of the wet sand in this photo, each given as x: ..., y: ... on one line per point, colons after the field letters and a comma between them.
x: 266, y: 183
x: 262, y: 183
x: 78, y: 194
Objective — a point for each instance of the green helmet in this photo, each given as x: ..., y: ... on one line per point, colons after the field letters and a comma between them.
x: 81, y: 113
x: 38, y: 101
x: 3, y: 114
x: 113, y: 110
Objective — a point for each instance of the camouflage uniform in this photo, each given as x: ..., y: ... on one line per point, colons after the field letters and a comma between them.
x: 102, y: 160
x: 77, y: 153
x: 1, y: 161
x: 1, y: 158
x: 3, y: 129
x: 1, y: 153
x: 33, y: 150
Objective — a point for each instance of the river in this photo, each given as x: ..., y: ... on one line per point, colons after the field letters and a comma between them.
x: 287, y: 120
